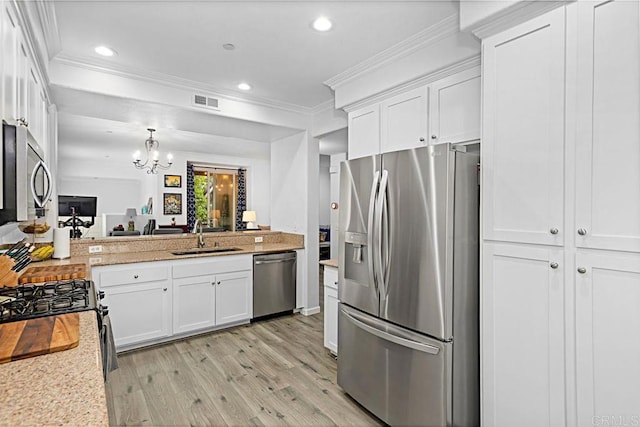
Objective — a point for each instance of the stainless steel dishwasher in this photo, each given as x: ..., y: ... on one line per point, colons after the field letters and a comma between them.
x: 274, y: 283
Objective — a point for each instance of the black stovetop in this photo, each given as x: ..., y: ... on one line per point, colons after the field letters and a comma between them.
x: 29, y: 301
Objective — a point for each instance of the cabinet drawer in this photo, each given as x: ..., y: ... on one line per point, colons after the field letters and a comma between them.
x: 331, y: 277
x: 133, y: 275
x: 211, y: 265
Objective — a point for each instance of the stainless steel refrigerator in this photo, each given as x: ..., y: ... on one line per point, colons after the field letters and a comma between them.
x: 408, y: 324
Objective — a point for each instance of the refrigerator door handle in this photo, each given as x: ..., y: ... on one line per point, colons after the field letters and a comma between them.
x: 371, y: 229
x: 370, y: 327
x: 380, y: 203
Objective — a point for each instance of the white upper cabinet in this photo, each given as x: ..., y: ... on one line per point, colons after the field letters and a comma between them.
x: 607, y: 337
x: 523, y: 132
x: 404, y: 120
x: 455, y: 108
x: 447, y: 110
x: 10, y: 32
x: 608, y: 131
x: 523, y: 336
x: 364, y: 132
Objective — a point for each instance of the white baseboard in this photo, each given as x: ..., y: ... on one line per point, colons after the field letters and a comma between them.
x: 310, y: 311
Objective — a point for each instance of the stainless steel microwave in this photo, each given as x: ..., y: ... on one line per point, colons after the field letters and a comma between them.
x: 26, y: 179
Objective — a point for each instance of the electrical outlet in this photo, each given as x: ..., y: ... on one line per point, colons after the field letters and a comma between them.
x: 258, y: 239
x: 95, y: 260
x: 97, y: 249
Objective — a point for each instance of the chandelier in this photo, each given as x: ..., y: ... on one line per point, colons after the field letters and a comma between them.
x: 152, y: 162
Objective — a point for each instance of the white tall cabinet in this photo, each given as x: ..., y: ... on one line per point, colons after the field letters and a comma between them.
x: 561, y: 228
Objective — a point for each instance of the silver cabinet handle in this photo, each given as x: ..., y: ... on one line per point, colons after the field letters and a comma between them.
x: 553, y: 231
x: 554, y: 265
x: 582, y: 270
x: 582, y: 231
x: 135, y: 276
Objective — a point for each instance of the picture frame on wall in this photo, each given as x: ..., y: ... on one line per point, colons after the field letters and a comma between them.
x: 174, y: 181
x: 172, y: 203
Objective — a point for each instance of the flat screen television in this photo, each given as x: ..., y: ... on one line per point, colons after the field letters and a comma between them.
x: 84, y: 205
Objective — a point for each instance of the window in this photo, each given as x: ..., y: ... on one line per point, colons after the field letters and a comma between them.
x: 216, y: 193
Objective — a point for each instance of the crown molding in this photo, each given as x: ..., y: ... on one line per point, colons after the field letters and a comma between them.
x: 49, y: 23
x: 324, y: 106
x: 458, y: 67
x: 431, y: 35
x: 516, y: 14
x: 102, y: 66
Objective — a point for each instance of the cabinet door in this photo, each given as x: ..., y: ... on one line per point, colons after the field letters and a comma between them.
x: 523, y: 132
x: 523, y: 336
x: 139, y: 312
x: 194, y: 303
x: 234, y: 297
x: 9, y: 66
x: 22, y: 70
x: 364, y: 132
x: 608, y: 138
x: 455, y: 108
x: 331, y: 319
x: 608, y: 338
x: 403, y: 121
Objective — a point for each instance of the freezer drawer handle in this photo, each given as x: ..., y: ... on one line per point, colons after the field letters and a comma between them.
x: 274, y: 261
x: 426, y: 348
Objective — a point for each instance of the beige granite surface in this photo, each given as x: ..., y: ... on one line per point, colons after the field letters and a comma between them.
x: 330, y: 262
x: 63, y: 388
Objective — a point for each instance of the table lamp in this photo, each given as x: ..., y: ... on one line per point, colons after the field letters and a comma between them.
x: 249, y: 217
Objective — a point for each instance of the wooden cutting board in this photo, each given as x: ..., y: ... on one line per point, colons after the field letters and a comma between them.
x: 53, y: 272
x: 34, y: 337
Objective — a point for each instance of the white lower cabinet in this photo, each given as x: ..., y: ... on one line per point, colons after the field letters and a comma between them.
x: 194, y: 300
x: 138, y: 297
x: 331, y: 308
x: 523, y: 336
x: 153, y: 301
x: 607, y: 338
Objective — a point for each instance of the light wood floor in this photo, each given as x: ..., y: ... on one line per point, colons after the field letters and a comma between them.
x: 274, y: 372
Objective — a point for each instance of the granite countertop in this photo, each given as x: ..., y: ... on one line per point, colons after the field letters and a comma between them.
x: 62, y: 388
x: 164, y: 255
x: 330, y: 262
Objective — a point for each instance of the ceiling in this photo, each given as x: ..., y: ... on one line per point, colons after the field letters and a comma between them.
x: 276, y: 51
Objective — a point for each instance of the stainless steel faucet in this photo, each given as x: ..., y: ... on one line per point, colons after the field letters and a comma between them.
x: 197, y: 228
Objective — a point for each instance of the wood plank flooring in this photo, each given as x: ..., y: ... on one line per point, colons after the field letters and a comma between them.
x: 270, y: 373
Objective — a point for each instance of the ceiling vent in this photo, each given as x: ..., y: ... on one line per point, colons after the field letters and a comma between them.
x: 205, y: 101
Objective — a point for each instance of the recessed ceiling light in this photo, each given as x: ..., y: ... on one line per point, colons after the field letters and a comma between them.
x: 322, y: 24
x: 104, y: 51
x: 228, y: 46
x: 244, y: 86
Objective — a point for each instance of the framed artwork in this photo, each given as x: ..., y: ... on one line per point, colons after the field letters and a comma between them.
x: 172, y: 203
x: 174, y: 181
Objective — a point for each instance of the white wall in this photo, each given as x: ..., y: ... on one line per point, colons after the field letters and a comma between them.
x: 324, y: 193
x: 294, y: 206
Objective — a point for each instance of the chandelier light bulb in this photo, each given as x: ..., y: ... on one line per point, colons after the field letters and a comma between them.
x: 170, y: 157
x: 136, y: 156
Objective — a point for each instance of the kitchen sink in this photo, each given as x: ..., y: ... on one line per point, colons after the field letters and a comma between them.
x: 205, y: 251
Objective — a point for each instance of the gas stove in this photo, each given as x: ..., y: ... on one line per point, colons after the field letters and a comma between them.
x: 29, y: 301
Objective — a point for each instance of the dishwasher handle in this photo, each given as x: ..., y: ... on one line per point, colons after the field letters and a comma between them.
x: 274, y: 261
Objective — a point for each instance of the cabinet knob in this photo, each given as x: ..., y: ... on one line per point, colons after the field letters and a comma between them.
x: 553, y: 231
x: 434, y: 137
x: 554, y: 265
x: 218, y: 283
x: 421, y: 139
x: 213, y: 283
x: 582, y: 231
x: 582, y: 270
x: 135, y: 277
x: 23, y: 122
x: 164, y: 289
